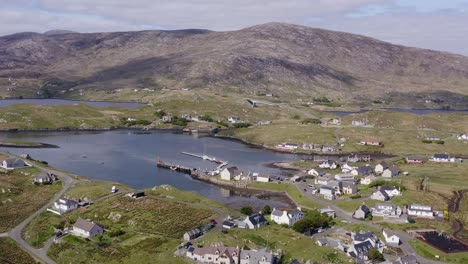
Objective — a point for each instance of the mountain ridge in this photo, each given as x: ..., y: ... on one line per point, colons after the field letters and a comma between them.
x: 275, y: 58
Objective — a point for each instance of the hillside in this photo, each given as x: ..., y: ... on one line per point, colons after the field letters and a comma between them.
x: 272, y: 58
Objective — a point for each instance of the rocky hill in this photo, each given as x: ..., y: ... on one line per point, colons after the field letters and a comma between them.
x: 271, y: 58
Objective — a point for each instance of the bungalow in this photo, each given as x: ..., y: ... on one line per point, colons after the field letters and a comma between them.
x: 234, y: 120
x: 287, y: 217
x: 391, y: 237
x: 413, y: 160
x: 261, y: 178
x: 13, y: 163
x: 391, y: 190
x: 330, y: 212
x: 228, y: 174
x: 356, y: 158
x: 391, y: 172
x: 318, y: 172
x: 329, y: 164
x: 359, y: 123
x: 86, y: 228
x: 262, y: 256
x: 287, y: 146
x: 192, y: 234
x: 420, y: 211
x: 443, y: 158
x: 329, y: 148
x: 363, y: 171
x: 45, y: 178
x: 325, y: 180
x: 371, y: 142
x: 228, y: 224
x: 255, y: 221
x: 327, y: 192
x: 362, y: 212
x: 386, y: 209
x: 214, y: 255
x: 64, y: 205
x: 380, y: 195
x: 433, y: 138
x: 349, y: 187
x: 368, y: 179
x: 379, y: 168
x: 166, y: 118
x: 131, y: 118
x: 344, y: 177
x: 406, y: 260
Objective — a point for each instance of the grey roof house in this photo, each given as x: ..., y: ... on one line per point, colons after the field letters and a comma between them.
x: 362, y: 212
x: 255, y: 221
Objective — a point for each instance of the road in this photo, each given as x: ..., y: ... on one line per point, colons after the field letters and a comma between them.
x: 404, y: 237
x: 15, y: 233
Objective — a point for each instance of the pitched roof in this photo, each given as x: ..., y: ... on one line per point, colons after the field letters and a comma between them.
x: 277, y: 212
x: 228, y: 223
x: 363, y: 247
x: 364, y: 236
x: 14, y: 162
x: 67, y: 202
x: 383, y: 164
x: 233, y: 170
x: 193, y: 232
x: 213, y: 250
x: 384, y: 194
x: 256, y: 256
x: 257, y: 219
x: 441, y: 156
x: 86, y: 225
x: 364, y: 170
x: 364, y: 208
x: 387, y: 188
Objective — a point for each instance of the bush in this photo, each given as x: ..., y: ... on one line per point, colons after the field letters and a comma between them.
x: 266, y: 209
x: 440, y: 142
x: 426, y: 141
x: 374, y: 254
x: 284, y: 225
x: 311, y: 121
x: 179, y: 121
x: 313, y: 219
x: 241, y: 125
x: 246, y: 210
x: 116, y: 232
x: 207, y: 118
x: 355, y: 196
x: 160, y: 113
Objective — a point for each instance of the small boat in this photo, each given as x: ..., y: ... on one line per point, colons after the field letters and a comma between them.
x: 173, y: 168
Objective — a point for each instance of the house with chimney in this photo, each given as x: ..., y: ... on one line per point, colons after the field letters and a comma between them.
x: 391, y: 172
x: 228, y: 174
x: 86, y: 228
x: 214, y: 254
x: 287, y: 217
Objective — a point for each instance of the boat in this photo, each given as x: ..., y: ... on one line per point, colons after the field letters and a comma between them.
x: 173, y: 168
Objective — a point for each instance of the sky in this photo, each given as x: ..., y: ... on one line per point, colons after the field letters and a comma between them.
x: 433, y: 24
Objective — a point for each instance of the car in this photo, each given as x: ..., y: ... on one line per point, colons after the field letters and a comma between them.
x: 304, y: 180
x: 305, y: 190
x: 213, y: 222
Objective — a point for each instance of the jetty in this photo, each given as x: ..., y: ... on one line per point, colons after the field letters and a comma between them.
x: 208, y: 158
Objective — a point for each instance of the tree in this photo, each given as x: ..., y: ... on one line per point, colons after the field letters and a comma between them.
x: 266, y: 209
x: 207, y: 118
x: 374, y: 254
x: 246, y: 210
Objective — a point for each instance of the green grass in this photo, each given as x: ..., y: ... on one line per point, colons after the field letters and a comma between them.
x: 352, y: 205
x: 19, y: 143
x: 93, y: 189
x: 147, y: 215
x: 419, y: 197
x: 429, y: 252
x: 12, y: 253
x: 19, y: 198
x: 168, y: 191
x: 41, y: 228
x: 129, y: 248
x: 293, y: 244
x: 292, y: 190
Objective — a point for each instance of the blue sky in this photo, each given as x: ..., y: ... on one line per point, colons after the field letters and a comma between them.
x: 439, y: 25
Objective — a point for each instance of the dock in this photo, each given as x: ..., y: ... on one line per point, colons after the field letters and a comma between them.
x: 208, y: 158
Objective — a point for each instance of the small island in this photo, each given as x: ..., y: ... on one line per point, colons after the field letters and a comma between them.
x: 25, y: 144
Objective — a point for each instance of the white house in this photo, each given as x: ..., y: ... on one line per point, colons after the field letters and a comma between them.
x: 214, y: 255
x: 64, y: 205
x: 228, y: 174
x: 329, y: 164
x: 385, y: 193
x: 325, y: 180
x: 368, y: 179
x: 316, y: 172
x: 362, y: 171
x: 391, y: 190
x: 379, y: 168
x: 386, y: 209
x: 287, y: 146
x: 13, y: 163
x: 359, y: 123
x: 287, y: 217
x: 234, y: 120
x: 86, y: 228
x: 444, y: 158
x: 344, y: 177
x: 261, y: 178
x: 391, y: 237
x: 371, y: 142
x: 349, y: 187
x: 347, y: 168
x: 330, y: 212
x: 192, y: 234
x: 255, y: 221
x: 45, y: 178
x: 380, y: 195
x: 327, y: 192
x: 261, y: 256
x: 390, y: 172
x: 420, y: 211
x: 463, y: 137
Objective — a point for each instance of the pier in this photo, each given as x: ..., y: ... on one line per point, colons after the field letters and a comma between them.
x: 205, y: 157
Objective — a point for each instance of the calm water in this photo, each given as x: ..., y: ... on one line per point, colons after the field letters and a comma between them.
x: 130, y: 158
x: 8, y: 102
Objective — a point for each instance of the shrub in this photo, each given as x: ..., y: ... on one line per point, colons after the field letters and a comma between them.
x: 179, y: 121
x: 241, y: 125
x: 355, y: 196
x: 266, y: 209
x: 116, y: 232
x: 440, y: 142
x: 160, y: 113
x: 246, y: 210
x: 311, y: 121
x: 426, y: 141
x: 207, y: 118
x: 374, y: 254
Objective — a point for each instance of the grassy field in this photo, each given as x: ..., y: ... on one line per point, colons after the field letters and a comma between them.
x: 352, y: 205
x: 19, y: 143
x: 429, y: 252
x: 12, y: 253
x: 93, y: 189
x: 42, y: 227
x: 127, y: 248
x: 293, y: 244
x: 291, y: 190
x: 19, y: 197
x: 419, y: 197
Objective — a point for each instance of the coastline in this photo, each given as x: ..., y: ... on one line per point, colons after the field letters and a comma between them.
x: 39, y: 145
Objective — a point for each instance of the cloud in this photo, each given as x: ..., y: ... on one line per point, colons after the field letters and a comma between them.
x: 419, y: 23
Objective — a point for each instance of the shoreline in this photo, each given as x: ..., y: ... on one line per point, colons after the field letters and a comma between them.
x: 39, y: 145
x: 75, y: 100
